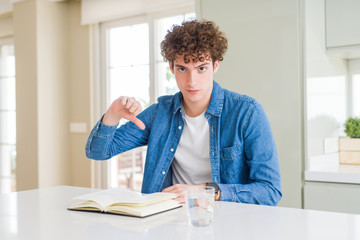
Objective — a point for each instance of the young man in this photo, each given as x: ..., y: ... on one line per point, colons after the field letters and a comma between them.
x: 202, y: 135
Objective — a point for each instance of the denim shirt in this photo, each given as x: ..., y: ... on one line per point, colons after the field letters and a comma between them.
x: 243, y: 154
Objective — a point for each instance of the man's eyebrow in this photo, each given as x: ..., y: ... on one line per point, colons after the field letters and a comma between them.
x: 204, y: 64
x: 179, y: 65
x: 201, y: 65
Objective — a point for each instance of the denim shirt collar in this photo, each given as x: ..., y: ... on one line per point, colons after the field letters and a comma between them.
x: 215, y: 105
x: 177, y: 103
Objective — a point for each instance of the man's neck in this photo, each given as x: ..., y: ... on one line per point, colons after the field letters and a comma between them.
x: 194, y: 110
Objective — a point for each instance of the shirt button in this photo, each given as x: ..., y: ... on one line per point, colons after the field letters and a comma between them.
x: 171, y: 149
x: 163, y: 172
x: 179, y: 127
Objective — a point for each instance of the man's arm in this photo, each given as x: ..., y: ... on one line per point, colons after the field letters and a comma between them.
x: 106, y: 140
x: 264, y: 185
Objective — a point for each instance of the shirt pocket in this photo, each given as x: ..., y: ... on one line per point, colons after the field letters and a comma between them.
x: 230, y: 162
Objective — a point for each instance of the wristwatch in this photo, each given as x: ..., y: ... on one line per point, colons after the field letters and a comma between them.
x: 217, y: 189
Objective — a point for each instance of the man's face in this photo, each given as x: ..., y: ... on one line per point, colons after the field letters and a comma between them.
x: 195, y: 80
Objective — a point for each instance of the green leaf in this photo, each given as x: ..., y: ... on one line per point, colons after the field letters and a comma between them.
x: 352, y: 127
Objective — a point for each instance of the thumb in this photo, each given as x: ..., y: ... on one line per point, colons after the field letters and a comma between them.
x: 137, y: 122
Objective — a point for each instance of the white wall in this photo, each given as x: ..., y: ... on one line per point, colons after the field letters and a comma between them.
x: 24, y: 20
x: 264, y: 61
x: 52, y: 90
x: 79, y: 90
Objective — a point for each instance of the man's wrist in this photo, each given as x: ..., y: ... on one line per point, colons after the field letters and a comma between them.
x: 217, y: 190
x: 109, y: 120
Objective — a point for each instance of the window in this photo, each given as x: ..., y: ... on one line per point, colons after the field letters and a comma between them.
x: 133, y: 66
x: 326, y: 111
x: 354, y: 87
x: 7, y: 118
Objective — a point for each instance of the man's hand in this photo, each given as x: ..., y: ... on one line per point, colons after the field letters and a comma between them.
x: 123, y: 107
x: 179, y: 189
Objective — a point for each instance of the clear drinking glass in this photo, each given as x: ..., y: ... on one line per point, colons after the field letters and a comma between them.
x: 200, y: 205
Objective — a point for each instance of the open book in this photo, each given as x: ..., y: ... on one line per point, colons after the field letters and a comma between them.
x: 125, y: 202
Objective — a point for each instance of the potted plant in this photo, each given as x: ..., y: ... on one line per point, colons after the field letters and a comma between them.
x: 349, y: 148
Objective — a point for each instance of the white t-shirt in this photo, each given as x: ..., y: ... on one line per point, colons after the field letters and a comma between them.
x: 191, y: 164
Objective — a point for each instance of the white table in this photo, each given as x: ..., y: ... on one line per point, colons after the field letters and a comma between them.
x: 42, y: 214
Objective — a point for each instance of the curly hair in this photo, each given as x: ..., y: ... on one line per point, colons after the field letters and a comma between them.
x: 197, y: 40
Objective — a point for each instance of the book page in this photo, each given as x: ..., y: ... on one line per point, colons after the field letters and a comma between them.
x: 110, y: 196
x: 117, y: 196
x: 144, y: 210
x: 87, y: 205
x: 146, y: 199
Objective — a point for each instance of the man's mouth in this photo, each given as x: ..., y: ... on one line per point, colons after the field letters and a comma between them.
x: 193, y: 91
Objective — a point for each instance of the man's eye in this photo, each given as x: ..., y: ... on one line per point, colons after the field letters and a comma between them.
x: 202, y: 69
x: 181, y: 69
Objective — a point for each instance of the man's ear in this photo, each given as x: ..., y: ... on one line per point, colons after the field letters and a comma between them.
x: 171, y: 66
x: 216, y: 65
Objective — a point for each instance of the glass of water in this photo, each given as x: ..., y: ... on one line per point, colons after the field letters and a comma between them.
x: 200, y: 205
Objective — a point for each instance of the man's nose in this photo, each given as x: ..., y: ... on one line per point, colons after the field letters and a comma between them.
x: 191, y: 77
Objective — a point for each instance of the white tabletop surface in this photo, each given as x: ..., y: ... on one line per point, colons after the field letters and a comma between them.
x: 42, y: 214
